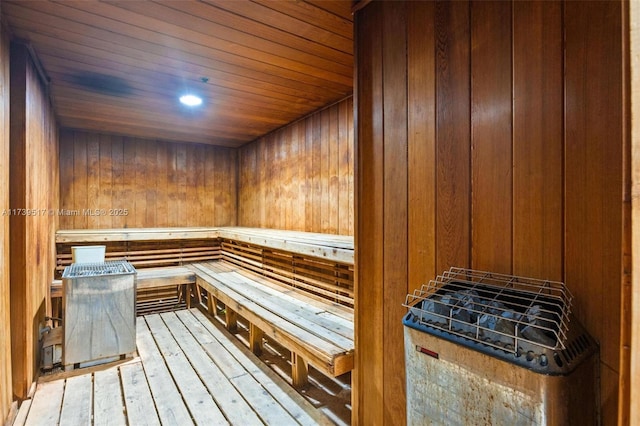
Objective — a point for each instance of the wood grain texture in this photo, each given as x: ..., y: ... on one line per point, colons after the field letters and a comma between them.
x: 158, y: 183
x: 6, y: 395
x: 369, y: 385
x: 301, y: 176
x: 453, y: 186
x: 523, y: 101
x: 34, y: 185
x: 634, y: 293
x: 395, y: 204
x: 421, y: 141
x: 491, y: 150
x: 593, y: 176
x: 537, y: 139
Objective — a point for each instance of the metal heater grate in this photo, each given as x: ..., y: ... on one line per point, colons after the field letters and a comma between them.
x: 506, y: 312
x: 77, y: 270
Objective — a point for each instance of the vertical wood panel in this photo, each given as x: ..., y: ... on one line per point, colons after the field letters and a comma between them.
x: 369, y: 337
x: 157, y: 183
x: 301, y: 176
x: 593, y: 179
x: 394, y: 242
x: 452, y: 135
x: 537, y: 137
x: 6, y: 395
x: 66, y: 178
x: 34, y: 185
x: 421, y: 143
x: 491, y: 115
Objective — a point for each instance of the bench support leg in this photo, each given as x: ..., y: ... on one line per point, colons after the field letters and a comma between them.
x: 211, y: 305
x: 231, y: 320
x: 299, y: 371
x: 255, y: 339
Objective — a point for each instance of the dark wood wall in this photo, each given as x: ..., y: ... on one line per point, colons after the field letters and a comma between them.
x: 301, y: 176
x: 490, y: 136
x: 159, y: 184
x: 34, y: 187
x: 5, y: 330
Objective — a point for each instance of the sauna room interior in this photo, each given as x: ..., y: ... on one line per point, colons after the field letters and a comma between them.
x: 343, y: 154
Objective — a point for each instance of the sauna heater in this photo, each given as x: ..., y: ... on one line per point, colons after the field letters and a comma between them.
x: 99, y: 313
x: 485, y: 348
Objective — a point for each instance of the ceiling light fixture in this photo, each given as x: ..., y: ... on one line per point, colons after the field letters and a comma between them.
x: 190, y: 100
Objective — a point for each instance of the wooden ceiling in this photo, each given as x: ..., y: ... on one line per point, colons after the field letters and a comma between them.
x: 120, y: 66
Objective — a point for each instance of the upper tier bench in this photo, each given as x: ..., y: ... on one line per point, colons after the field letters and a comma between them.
x: 295, y: 287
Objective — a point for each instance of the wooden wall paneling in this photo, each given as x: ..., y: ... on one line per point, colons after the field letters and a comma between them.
x: 6, y: 394
x: 93, y: 182
x: 395, y: 267
x: 299, y: 183
x: 181, y: 181
x: 491, y: 117
x: 369, y: 389
x: 105, y: 166
x: 453, y: 135
x: 34, y: 185
x: 152, y: 170
x: 162, y: 202
x: 140, y: 182
x: 129, y: 179
x: 172, y: 184
x: 209, y: 201
x: 333, y: 180
x: 80, y: 179
x: 537, y: 140
x: 634, y: 294
x: 66, y: 177
x: 343, y: 169
x: 308, y: 178
x: 593, y: 178
x: 352, y: 168
x: 421, y: 140
x: 316, y: 165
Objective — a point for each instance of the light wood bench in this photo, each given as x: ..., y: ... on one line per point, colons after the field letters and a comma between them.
x: 315, y: 330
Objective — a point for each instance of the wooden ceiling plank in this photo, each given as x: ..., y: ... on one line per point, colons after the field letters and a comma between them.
x: 147, y: 133
x: 122, y: 21
x: 286, y: 23
x: 83, y: 33
x: 240, y: 42
x: 258, y: 29
x: 166, y: 84
x: 311, y: 14
x: 340, y: 8
x: 236, y: 82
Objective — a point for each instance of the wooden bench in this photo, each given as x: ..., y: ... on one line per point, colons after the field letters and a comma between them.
x: 315, y: 330
x: 295, y: 287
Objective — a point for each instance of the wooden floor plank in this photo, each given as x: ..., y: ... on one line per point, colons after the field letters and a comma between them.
x: 294, y: 403
x: 168, y: 401
x: 138, y: 401
x: 23, y: 412
x: 77, y: 402
x: 230, y: 401
x: 46, y: 404
x: 108, y: 408
x: 200, y: 403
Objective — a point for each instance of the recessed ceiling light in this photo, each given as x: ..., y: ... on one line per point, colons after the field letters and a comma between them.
x: 190, y: 100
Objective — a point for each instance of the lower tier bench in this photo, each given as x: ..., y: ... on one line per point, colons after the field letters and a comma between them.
x: 316, y: 331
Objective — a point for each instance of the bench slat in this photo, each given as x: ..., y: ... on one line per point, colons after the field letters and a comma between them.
x: 320, y: 353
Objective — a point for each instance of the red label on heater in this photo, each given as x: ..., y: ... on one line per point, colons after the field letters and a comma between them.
x: 427, y: 352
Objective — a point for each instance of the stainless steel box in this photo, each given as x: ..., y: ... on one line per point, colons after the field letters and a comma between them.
x: 99, y: 313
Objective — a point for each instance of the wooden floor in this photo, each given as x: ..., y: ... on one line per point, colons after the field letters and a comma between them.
x: 188, y: 371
